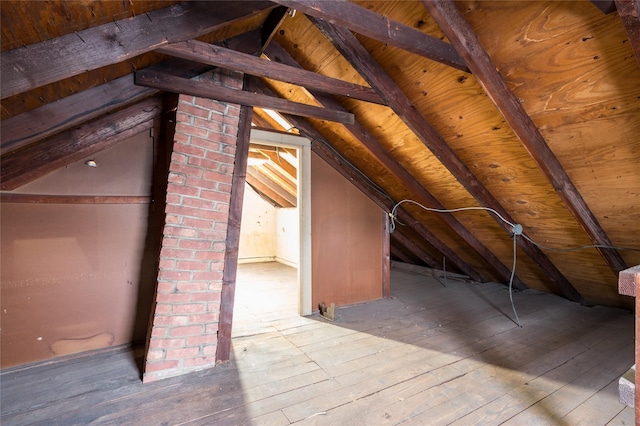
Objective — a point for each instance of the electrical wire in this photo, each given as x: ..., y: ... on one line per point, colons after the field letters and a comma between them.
x: 430, y: 209
x: 513, y: 274
x: 517, y: 231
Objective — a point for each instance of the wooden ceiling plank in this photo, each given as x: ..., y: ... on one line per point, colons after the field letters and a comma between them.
x: 203, y: 89
x: 281, y: 162
x: 466, y: 42
x: 40, y: 123
x: 371, y: 71
x: 42, y: 63
x: 278, y: 178
x: 270, y: 188
x: 36, y: 160
x: 259, y: 188
x: 410, y: 182
x: 229, y: 59
x: 356, y: 177
x: 414, y: 248
x: 629, y: 13
x: 381, y: 28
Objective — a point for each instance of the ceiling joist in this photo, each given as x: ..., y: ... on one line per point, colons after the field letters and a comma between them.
x: 229, y: 59
x: 203, y: 89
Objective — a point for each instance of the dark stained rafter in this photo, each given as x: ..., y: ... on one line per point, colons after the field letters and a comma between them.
x: 263, y: 183
x: 53, y: 60
x: 466, y: 42
x: 219, y: 56
x: 400, y: 254
x: 281, y: 177
x: 410, y: 182
x: 31, y: 126
x: 203, y: 89
x: 629, y: 12
x: 23, y: 166
x: 371, y: 71
x: 414, y: 248
x: 227, y: 296
x: 381, y: 28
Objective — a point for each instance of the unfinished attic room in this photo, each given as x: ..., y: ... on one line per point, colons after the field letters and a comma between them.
x: 319, y: 212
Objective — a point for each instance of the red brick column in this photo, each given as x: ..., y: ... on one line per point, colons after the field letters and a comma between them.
x: 184, y: 323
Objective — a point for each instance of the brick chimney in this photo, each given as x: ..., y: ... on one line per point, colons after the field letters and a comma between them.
x: 183, y: 328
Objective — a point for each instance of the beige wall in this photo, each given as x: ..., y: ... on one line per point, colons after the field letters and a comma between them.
x: 74, y: 277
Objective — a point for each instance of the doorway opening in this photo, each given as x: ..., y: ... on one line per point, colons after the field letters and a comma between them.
x: 274, y: 262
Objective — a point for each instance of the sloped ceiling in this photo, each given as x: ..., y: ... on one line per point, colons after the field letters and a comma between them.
x: 531, y: 109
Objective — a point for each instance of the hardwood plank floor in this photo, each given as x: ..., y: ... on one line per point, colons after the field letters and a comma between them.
x: 430, y: 355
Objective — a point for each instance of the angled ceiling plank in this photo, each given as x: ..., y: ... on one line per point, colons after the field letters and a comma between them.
x: 355, y: 176
x: 170, y: 83
x: 278, y: 177
x: 256, y: 187
x: 410, y: 182
x: 39, y: 159
x: 629, y: 12
x: 400, y: 254
x: 414, y: 248
x: 42, y: 63
x: 281, y: 162
x: 371, y: 71
x: 466, y: 42
x: 270, y: 188
x: 381, y: 28
x: 61, y: 115
x: 219, y: 56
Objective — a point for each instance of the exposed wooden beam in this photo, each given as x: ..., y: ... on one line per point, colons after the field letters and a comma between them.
x: 38, y: 64
x: 227, y: 296
x: 270, y: 188
x: 384, y: 201
x: 400, y: 254
x: 414, y: 248
x: 229, y: 59
x: 279, y: 176
x: 73, y: 110
x: 466, y: 42
x: 629, y: 12
x: 410, y: 182
x: 203, y: 89
x: 371, y: 71
x: 38, y: 159
x: 378, y: 27
x: 9, y: 197
x: 282, y: 163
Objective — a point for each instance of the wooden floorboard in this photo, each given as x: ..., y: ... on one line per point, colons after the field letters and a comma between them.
x: 429, y: 355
